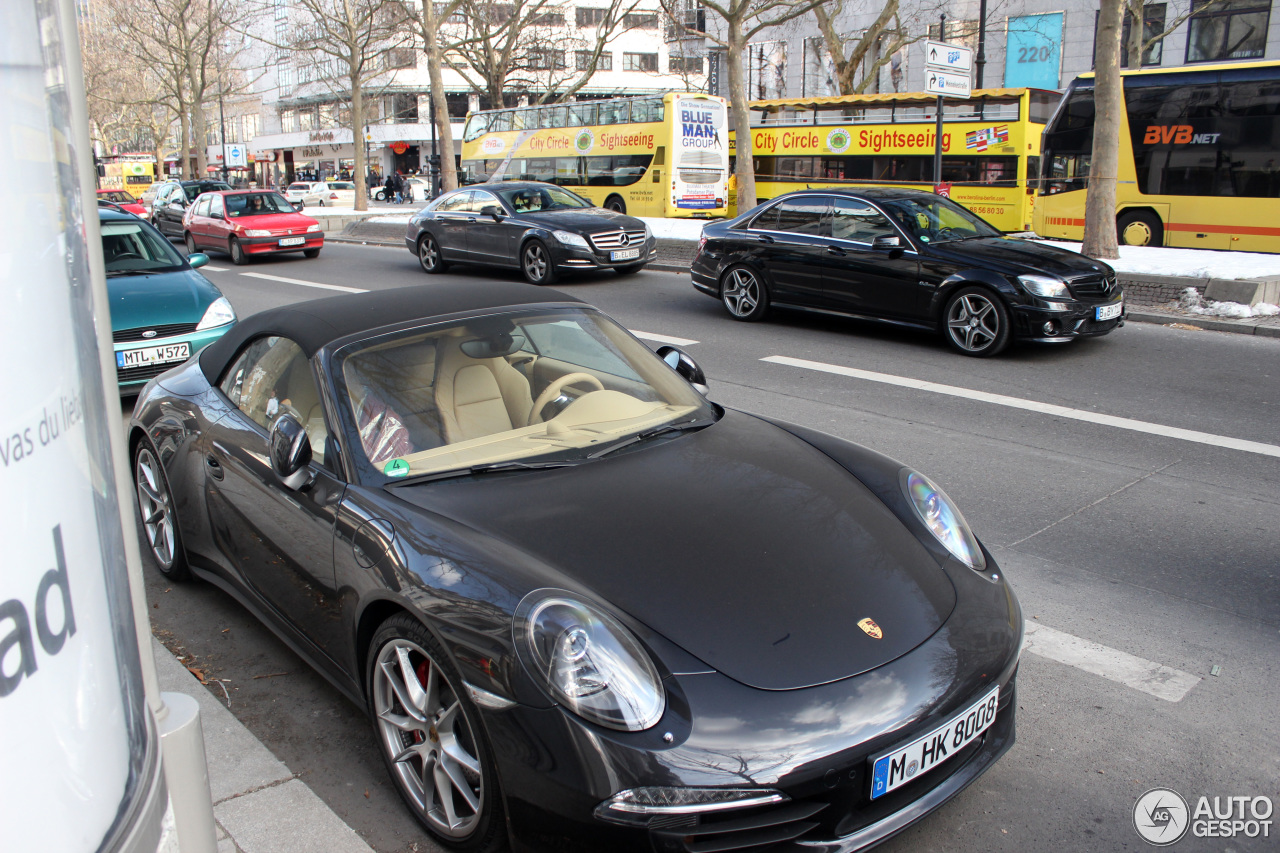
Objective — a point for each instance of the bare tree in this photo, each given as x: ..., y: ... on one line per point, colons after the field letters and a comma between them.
x: 433, y: 13
x: 1100, y: 201
x: 741, y: 21
x: 351, y: 44
x: 849, y: 54
x: 1139, y: 42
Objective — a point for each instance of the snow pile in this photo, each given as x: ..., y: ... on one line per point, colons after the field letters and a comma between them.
x: 675, y: 229
x: 391, y: 219
x: 1193, y: 263
x: 1192, y: 302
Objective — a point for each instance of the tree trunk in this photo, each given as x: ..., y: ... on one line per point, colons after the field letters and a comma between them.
x: 745, y: 167
x: 1137, y: 32
x: 444, y: 133
x: 357, y: 140
x: 1100, y: 203
x: 184, y: 153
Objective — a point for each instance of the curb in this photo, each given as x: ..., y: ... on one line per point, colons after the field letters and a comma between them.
x: 1208, y: 324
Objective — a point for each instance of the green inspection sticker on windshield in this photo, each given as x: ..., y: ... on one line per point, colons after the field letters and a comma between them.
x: 396, y: 468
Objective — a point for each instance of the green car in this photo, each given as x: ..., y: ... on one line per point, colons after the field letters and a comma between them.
x: 162, y: 311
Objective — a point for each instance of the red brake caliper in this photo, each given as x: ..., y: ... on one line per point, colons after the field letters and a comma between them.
x: 423, y: 669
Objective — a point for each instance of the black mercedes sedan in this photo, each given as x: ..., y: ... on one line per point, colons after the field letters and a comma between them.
x: 906, y: 257
x: 542, y: 229
x: 585, y: 607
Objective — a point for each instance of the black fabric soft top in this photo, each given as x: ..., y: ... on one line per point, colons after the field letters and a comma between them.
x: 317, y: 322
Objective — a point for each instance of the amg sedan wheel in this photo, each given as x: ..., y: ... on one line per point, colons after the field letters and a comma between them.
x: 977, y: 322
x: 155, y: 506
x: 744, y: 294
x: 429, y: 256
x: 431, y: 746
x: 535, y: 260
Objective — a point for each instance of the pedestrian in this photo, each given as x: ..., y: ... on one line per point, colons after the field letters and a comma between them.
x: 389, y: 188
x: 399, y: 189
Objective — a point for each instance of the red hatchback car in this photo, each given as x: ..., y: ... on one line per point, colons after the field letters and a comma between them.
x: 123, y: 200
x: 244, y: 223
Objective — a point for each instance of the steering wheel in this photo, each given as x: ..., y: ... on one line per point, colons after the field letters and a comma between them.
x: 553, y: 390
x: 948, y: 233
x: 127, y: 256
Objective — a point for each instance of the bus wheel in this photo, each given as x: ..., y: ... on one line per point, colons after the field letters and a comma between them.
x: 1140, y: 228
x: 616, y: 204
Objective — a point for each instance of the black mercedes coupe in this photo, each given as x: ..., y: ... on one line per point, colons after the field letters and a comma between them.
x: 541, y: 229
x: 586, y: 608
x: 906, y: 257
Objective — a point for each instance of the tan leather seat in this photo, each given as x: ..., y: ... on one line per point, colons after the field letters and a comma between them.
x: 478, y: 396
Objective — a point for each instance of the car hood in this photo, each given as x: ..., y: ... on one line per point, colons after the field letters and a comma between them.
x: 583, y: 220
x: 740, y: 543
x: 276, y: 221
x: 1013, y: 256
x: 159, y: 299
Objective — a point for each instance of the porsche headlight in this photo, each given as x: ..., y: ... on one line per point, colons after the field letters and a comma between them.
x: 219, y: 313
x: 588, y: 661
x: 1043, y: 285
x: 943, y: 519
x: 568, y: 238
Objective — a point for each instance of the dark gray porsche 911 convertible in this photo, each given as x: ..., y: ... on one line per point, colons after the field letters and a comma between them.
x: 586, y: 608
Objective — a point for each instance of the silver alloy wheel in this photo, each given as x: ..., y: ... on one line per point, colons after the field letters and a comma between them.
x: 155, y: 507
x: 429, y: 255
x: 535, y: 262
x: 973, y: 322
x: 426, y: 733
x: 741, y: 292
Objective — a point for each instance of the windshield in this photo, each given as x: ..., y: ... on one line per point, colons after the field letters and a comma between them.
x: 548, y: 386
x: 342, y: 185
x: 210, y: 187
x: 130, y: 248
x: 257, y: 204
x: 533, y: 199
x: 937, y: 220
x: 300, y: 187
x: 118, y: 196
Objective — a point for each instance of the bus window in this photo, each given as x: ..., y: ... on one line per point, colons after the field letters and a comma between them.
x: 629, y: 169
x: 539, y: 169
x: 615, y: 112
x: 568, y: 173
x: 795, y: 167
x: 499, y: 122
x: 553, y: 117
x: 650, y: 109
x: 917, y: 169
x: 1042, y: 106
x: 582, y: 115
x: 476, y: 126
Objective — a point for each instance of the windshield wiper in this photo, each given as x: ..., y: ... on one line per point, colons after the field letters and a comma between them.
x: 487, y: 468
x: 131, y: 272
x: 649, y: 433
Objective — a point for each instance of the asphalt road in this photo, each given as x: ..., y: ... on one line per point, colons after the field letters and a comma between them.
x: 1153, y: 555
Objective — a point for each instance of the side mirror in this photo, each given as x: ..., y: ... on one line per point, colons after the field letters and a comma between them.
x: 492, y: 210
x: 177, y: 204
x: 681, y: 362
x: 886, y: 242
x: 290, y: 452
x: 297, y: 205
x: 197, y: 260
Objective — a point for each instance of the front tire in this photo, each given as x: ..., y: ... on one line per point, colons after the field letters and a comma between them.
x: 744, y: 294
x: 1140, y: 228
x: 191, y: 243
x: 430, y: 738
x: 629, y: 269
x: 535, y: 262
x: 977, y: 323
x: 155, y: 507
x: 310, y: 253
x: 238, y: 256
x: 429, y: 257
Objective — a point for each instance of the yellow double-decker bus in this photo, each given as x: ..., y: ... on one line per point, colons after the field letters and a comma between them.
x: 1199, y: 159
x: 659, y: 155
x: 133, y: 176
x: 990, y: 146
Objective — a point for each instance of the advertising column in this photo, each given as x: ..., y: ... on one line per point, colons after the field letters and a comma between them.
x: 81, y: 756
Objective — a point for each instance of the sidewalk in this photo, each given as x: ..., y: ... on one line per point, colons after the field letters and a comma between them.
x: 260, y: 806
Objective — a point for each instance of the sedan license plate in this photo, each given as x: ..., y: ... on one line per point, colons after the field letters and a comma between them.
x: 624, y: 255
x: 153, y: 355
x: 1109, y: 312
x: 905, y: 763
x: 292, y: 241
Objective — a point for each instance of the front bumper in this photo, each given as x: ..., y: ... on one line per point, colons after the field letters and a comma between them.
x: 270, y: 245
x: 814, y: 745
x: 1038, y: 322
x: 571, y: 258
x: 131, y: 379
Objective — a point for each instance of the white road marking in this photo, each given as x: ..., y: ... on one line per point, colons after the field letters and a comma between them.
x: 305, y: 283
x: 212, y: 268
x: 1161, y: 681
x: 664, y: 339
x: 1035, y: 406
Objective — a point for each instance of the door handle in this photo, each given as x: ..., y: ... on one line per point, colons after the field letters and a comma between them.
x: 214, y: 466
x: 763, y: 238
x: 835, y: 250
x: 470, y: 219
